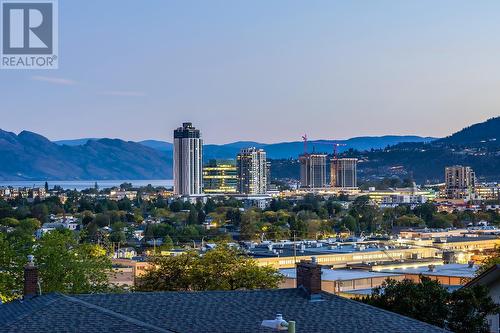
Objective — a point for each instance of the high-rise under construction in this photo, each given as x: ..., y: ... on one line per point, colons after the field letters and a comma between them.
x: 312, y: 170
x: 343, y: 172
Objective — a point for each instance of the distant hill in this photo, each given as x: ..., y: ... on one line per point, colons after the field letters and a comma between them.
x: 76, y: 142
x: 293, y: 149
x: 31, y: 156
x: 158, y: 145
x: 482, y: 134
x: 281, y: 149
x: 477, y: 146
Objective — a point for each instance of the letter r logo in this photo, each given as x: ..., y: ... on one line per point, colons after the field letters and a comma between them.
x: 27, y: 27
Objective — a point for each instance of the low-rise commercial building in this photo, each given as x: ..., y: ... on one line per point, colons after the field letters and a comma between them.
x: 337, y: 255
x: 446, y: 274
x: 479, y: 243
x: 344, y: 282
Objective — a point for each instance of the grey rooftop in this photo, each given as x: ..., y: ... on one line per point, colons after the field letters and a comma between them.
x: 192, y: 312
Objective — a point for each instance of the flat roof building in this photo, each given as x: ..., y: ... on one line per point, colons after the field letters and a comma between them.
x: 345, y: 282
x: 446, y: 274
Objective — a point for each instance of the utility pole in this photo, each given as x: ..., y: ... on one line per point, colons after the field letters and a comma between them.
x: 294, y: 247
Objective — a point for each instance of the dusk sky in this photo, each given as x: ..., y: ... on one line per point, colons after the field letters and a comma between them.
x: 265, y: 70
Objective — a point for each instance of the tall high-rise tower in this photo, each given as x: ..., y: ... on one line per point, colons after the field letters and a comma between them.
x: 460, y: 181
x: 312, y: 170
x: 188, y: 159
x: 343, y: 172
x: 252, y: 171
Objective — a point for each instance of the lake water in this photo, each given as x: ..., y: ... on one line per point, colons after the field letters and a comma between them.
x: 84, y: 184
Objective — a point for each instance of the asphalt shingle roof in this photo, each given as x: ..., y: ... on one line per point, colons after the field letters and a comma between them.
x: 212, y: 311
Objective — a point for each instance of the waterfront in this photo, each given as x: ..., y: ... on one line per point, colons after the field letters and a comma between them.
x: 84, y: 184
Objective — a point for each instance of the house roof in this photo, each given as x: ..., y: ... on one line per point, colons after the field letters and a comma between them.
x: 212, y: 311
x: 492, y: 274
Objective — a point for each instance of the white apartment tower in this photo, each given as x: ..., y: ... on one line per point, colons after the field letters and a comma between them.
x: 252, y: 171
x: 188, y: 160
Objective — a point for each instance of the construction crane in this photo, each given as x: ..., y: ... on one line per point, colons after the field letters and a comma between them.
x: 335, y: 148
x: 304, y: 138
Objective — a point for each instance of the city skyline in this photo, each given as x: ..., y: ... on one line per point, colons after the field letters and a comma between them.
x: 386, y: 69
x: 249, y: 166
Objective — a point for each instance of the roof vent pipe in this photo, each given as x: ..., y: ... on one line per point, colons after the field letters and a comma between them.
x: 278, y: 323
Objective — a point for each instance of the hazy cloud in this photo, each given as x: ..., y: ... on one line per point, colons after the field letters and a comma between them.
x: 124, y: 93
x: 54, y: 80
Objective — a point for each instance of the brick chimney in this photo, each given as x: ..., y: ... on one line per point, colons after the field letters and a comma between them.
x: 309, y: 276
x: 31, y: 287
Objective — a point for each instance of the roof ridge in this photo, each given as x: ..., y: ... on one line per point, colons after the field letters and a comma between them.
x: 186, y: 292
x: 117, y: 315
x: 481, y: 276
x: 386, y: 311
x: 35, y: 310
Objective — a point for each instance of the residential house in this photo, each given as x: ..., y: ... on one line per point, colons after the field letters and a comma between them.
x: 312, y: 310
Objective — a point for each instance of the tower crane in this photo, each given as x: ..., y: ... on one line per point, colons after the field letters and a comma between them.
x: 304, y: 138
x: 335, y: 148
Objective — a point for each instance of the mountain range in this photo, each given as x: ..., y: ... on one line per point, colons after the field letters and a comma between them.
x: 30, y: 156
x: 477, y: 146
x: 277, y: 150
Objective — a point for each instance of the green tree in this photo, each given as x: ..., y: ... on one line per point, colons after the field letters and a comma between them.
x: 102, y: 220
x: 350, y: 223
x: 248, y: 225
x: 464, y: 310
x: 11, y: 277
x: 367, y: 215
x: 441, y: 220
x: 117, y: 236
x: 40, y: 212
x: 409, y: 221
x: 425, y: 301
x: 176, y: 206
x: 169, y: 273
x: 6, y: 210
x: 210, y: 206
x: 492, y: 259
x: 223, y: 268
x: 69, y: 267
x: 126, y: 186
x: 9, y: 222
x: 192, y: 217
x: 469, y: 308
x: 168, y: 243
